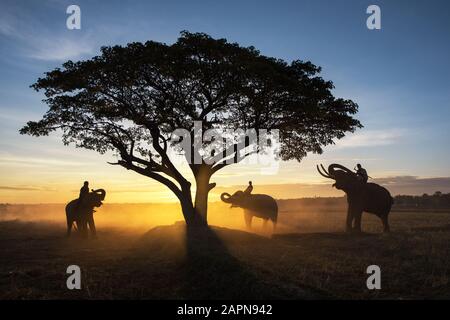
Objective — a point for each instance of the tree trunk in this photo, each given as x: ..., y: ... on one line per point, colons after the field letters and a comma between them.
x: 192, y: 218
x: 201, y: 195
x: 187, y: 207
x: 188, y: 210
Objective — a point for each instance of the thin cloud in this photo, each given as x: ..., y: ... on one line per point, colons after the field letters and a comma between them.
x: 6, y: 28
x: 415, y: 185
x: 60, y: 49
x: 38, y: 42
x: 39, y: 162
x: 371, y: 138
x: 25, y: 188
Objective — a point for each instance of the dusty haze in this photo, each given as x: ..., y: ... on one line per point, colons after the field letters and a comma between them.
x: 299, y: 215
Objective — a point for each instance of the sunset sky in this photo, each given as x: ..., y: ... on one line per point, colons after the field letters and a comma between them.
x: 399, y: 76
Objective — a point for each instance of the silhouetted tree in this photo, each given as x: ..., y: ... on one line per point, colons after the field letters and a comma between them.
x: 129, y: 99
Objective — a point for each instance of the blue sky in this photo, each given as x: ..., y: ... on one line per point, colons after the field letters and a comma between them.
x: 399, y: 75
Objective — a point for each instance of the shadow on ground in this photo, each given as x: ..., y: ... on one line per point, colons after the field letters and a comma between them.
x: 207, y: 270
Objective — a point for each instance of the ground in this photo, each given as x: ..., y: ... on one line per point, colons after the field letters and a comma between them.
x: 308, y: 257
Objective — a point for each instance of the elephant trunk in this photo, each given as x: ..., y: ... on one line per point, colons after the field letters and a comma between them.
x: 101, y: 193
x: 225, y: 197
x: 334, y: 166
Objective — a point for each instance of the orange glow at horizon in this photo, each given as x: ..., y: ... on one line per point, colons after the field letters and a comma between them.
x: 155, y: 194
x: 58, y: 177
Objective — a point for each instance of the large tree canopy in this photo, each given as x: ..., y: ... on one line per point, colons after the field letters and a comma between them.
x: 130, y: 99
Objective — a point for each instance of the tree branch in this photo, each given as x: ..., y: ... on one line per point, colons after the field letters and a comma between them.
x: 148, y: 173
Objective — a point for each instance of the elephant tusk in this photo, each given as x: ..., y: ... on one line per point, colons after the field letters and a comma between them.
x: 324, y: 170
x: 322, y: 174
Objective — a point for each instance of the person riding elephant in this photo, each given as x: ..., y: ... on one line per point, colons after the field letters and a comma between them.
x: 84, y: 191
x: 82, y: 211
x: 249, y: 188
x: 361, y: 196
x: 361, y: 173
x: 255, y: 205
x: 246, y: 192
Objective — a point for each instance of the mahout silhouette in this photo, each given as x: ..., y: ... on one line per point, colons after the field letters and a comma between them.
x: 249, y: 188
x: 255, y: 205
x: 84, y: 190
x: 361, y: 173
x: 361, y: 196
x: 130, y: 100
x: 82, y: 211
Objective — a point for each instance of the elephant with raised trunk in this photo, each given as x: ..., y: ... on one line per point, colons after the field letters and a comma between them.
x: 82, y: 212
x: 254, y: 205
x: 361, y: 196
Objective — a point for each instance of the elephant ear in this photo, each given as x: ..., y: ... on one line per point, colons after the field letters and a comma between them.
x: 83, y: 201
x: 238, y: 194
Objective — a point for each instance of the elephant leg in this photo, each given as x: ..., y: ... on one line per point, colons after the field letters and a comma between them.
x: 248, y: 219
x: 85, y: 228
x: 357, y: 221
x: 265, y: 223
x: 348, y: 225
x: 386, y: 228
x: 91, y: 224
x: 69, y: 227
x: 274, y: 223
x: 82, y: 227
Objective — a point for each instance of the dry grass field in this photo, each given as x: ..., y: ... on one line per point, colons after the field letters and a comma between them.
x: 142, y: 253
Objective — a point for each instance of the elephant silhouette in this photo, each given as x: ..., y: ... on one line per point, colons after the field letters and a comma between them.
x: 83, y: 212
x: 254, y: 205
x: 361, y: 196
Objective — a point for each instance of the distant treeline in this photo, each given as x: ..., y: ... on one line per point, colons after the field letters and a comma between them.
x: 438, y: 200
